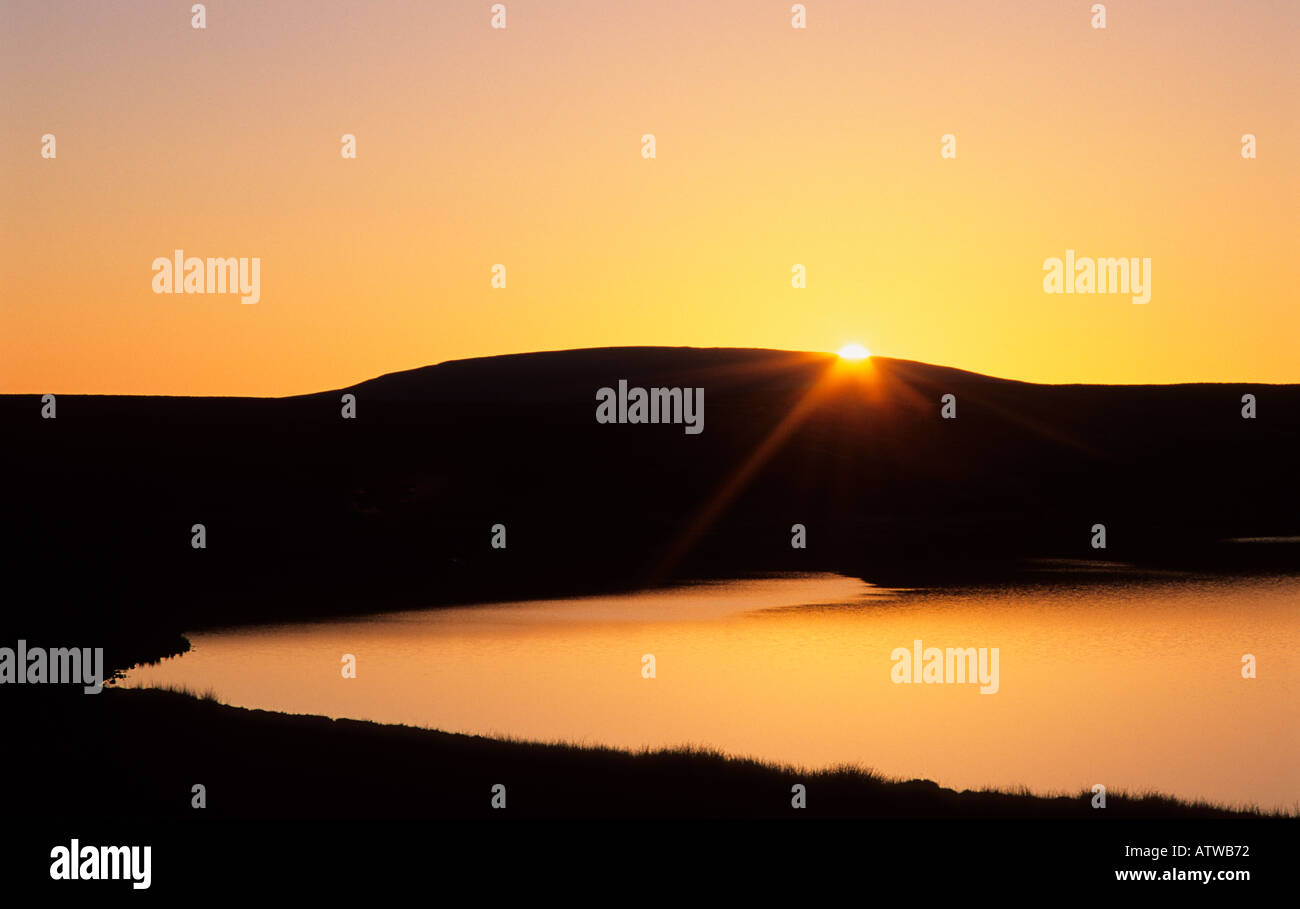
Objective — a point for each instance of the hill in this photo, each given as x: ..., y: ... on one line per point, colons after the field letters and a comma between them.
x: 307, y: 513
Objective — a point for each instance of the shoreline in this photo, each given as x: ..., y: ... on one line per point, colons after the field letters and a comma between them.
x: 299, y: 734
x: 151, y: 746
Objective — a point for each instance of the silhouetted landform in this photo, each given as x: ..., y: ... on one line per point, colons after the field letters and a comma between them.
x: 307, y: 513
x: 258, y: 764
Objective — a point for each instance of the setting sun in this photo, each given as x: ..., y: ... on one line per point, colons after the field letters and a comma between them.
x: 854, y: 352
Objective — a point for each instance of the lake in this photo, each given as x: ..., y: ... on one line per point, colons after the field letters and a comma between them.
x: 1133, y: 684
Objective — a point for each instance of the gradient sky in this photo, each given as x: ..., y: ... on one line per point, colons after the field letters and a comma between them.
x: 522, y: 146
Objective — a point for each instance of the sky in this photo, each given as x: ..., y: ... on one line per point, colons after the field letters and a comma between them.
x: 522, y: 146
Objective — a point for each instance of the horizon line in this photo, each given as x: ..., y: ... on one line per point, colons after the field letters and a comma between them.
x: 648, y: 347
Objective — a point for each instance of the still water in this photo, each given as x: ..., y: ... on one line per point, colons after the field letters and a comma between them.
x: 1134, y: 685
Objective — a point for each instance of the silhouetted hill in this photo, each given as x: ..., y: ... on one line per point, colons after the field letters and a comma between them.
x: 308, y: 513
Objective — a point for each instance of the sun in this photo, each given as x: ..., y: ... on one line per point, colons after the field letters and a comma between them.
x: 854, y: 352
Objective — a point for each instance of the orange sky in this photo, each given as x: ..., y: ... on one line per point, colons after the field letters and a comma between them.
x: 775, y: 146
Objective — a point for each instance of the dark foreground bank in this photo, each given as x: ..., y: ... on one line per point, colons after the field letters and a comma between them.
x: 140, y: 753
x: 299, y: 805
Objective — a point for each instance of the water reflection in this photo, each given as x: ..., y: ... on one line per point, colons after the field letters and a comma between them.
x: 1136, y: 686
